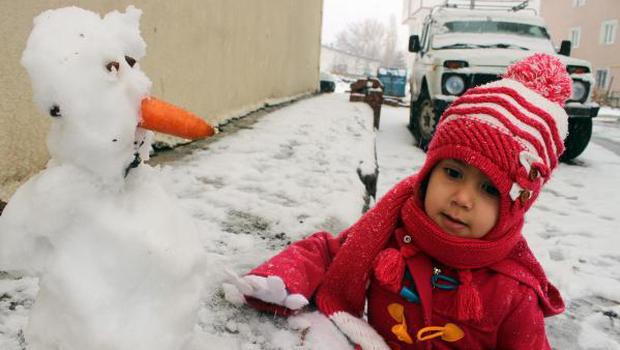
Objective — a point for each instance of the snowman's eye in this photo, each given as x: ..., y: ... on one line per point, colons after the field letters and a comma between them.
x: 130, y: 61
x: 55, y: 111
x: 112, y: 65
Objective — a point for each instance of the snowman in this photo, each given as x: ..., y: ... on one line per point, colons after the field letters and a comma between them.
x: 120, y: 265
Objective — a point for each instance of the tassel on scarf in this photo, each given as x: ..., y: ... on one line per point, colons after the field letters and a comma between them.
x: 389, y: 269
x: 468, y: 303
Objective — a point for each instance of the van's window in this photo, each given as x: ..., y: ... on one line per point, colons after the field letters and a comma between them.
x: 523, y: 29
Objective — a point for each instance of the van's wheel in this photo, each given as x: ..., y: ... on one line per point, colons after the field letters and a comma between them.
x: 422, y: 120
x: 411, y: 126
x: 579, y: 133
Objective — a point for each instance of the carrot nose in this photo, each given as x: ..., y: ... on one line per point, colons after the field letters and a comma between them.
x: 166, y: 118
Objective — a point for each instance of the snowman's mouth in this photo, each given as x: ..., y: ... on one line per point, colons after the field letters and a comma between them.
x: 134, y: 163
x: 137, y: 159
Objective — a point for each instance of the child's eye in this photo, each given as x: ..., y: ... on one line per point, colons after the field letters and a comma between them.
x: 453, y: 173
x: 490, y: 189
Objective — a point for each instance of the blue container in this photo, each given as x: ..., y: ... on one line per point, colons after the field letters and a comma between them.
x: 393, y: 80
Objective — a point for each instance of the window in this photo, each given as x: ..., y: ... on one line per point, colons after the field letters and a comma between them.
x: 575, y: 36
x: 579, y: 3
x: 484, y: 27
x: 608, y: 32
x: 601, y: 78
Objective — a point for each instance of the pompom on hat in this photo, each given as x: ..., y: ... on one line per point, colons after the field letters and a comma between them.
x: 544, y: 74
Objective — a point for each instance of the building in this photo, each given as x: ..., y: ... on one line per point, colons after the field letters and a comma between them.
x: 592, y: 28
x: 216, y: 58
x: 340, y: 62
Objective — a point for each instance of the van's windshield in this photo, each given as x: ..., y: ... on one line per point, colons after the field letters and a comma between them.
x: 474, y: 34
x: 478, y: 27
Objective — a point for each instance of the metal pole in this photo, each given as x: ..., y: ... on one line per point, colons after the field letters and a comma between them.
x: 472, y: 4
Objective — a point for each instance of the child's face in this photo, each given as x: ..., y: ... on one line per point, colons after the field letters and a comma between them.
x: 461, y: 199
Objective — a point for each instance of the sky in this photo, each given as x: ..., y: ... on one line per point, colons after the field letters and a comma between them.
x: 337, y: 14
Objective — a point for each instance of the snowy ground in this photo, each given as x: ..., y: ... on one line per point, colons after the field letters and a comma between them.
x: 296, y: 171
x: 607, y: 129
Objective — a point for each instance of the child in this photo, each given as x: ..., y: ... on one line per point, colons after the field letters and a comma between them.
x: 440, y: 259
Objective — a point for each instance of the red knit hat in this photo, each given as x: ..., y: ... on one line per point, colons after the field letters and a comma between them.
x: 512, y: 130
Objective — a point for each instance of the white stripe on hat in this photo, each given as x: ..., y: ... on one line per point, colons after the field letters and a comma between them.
x: 557, y: 113
x: 494, y: 122
x: 552, y: 119
x: 533, y: 120
x: 518, y: 123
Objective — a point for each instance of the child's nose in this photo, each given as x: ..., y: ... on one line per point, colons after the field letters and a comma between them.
x: 464, y: 197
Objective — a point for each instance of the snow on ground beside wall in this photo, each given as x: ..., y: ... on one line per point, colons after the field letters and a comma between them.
x: 291, y: 174
x: 609, y: 112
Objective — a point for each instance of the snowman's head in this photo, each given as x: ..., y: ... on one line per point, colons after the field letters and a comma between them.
x: 86, y: 77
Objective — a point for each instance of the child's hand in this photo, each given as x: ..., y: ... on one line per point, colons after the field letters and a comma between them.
x: 268, y: 289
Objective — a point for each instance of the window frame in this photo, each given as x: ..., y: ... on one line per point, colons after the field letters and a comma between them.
x: 604, y: 38
x: 597, y: 82
x: 574, y: 43
x: 579, y: 3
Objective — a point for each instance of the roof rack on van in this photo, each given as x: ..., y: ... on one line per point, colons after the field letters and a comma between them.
x: 490, y: 5
x: 484, y: 5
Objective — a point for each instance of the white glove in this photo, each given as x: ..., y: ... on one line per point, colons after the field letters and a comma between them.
x: 268, y: 289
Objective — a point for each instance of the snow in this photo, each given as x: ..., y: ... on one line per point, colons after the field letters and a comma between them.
x: 291, y: 174
x: 608, y: 112
x: 246, y: 195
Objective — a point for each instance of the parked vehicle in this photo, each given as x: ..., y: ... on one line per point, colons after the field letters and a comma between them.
x: 460, y: 48
x: 394, y: 81
x: 327, y: 82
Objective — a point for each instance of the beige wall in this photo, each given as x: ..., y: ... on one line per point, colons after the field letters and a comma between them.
x: 212, y: 57
x: 561, y: 16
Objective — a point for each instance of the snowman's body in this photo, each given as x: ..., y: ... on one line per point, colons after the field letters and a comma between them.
x: 119, y: 263
x: 114, y: 272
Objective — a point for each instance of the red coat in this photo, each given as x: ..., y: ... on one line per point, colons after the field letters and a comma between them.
x: 513, y: 311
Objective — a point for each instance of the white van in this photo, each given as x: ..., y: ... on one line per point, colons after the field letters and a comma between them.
x: 460, y: 48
